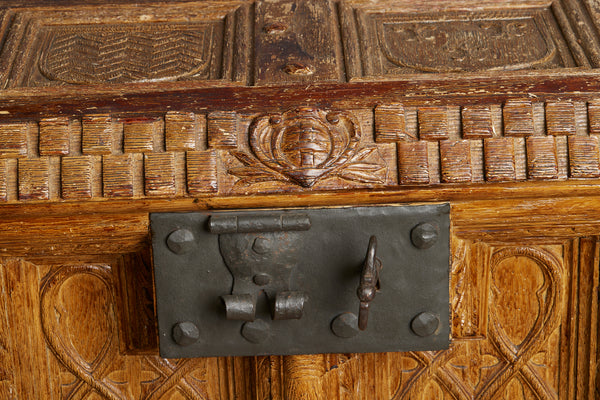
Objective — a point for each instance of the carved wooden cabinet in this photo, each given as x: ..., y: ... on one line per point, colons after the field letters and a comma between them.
x: 109, y: 112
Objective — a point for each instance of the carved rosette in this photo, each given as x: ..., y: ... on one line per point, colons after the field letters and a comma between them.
x: 305, y: 145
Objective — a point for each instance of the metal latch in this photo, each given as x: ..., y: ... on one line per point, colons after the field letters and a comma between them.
x: 331, y: 280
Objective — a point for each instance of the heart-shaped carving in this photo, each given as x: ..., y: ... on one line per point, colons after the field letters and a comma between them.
x: 87, y: 345
x: 305, y: 145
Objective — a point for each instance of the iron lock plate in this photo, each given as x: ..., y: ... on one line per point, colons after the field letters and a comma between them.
x: 290, y: 281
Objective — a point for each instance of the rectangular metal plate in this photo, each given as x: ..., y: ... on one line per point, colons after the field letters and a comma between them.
x: 324, y: 262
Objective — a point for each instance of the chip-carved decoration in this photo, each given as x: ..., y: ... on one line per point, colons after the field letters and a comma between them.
x: 392, y: 38
x: 459, y: 44
x: 93, y: 362
x: 115, y: 53
x: 512, y: 356
x: 305, y: 145
x: 301, y: 149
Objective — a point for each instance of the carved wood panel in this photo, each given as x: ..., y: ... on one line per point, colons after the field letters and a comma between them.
x: 270, y: 43
x: 391, y: 38
x: 524, y: 326
x: 126, y: 44
x: 300, y: 150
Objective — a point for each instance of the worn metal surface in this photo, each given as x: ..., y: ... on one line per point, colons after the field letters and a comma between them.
x: 297, y: 283
x: 369, y: 283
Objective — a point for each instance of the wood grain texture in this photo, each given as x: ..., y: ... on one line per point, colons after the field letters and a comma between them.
x: 97, y: 136
x: 183, y: 131
x: 202, y: 173
x: 560, y: 118
x: 117, y: 175
x: 76, y: 177
x: 194, y: 41
x: 477, y: 122
x: 384, y: 146
x: 542, y: 158
x: 222, y: 130
x: 159, y: 174
x: 14, y: 139
x: 142, y: 134
x: 499, y: 156
x: 455, y: 158
x: 109, y: 113
x: 34, y: 179
x: 288, y: 47
x: 390, y: 124
x: 584, y: 157
x: 518, y: 118
x: 433, y: 123
x: 54, y: 136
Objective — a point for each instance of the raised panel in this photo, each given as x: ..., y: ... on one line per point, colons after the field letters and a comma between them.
x: 126, y: 44
x: 407, y: 37
x: 529, y: 311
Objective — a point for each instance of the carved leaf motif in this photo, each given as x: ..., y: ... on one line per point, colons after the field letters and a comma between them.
x: 305, y: 145
x: 361, y: 172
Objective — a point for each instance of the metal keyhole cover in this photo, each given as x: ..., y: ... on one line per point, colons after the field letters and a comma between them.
x: 323, y: 261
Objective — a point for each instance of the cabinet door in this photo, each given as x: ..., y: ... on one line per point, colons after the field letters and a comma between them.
x: 524, y: 324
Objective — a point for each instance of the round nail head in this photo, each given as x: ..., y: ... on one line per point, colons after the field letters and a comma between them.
x: 261, y: 245
x: 424, y: 235
x: 180, y: 241
x: 255, y: 331
x: 345, y: 325
x: 185, y: 333
x: 425, y: 324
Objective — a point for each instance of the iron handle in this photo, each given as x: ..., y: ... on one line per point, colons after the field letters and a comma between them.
x: 369, y: 283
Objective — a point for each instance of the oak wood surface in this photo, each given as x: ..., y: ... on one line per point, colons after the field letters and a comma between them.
x: 109, y: 112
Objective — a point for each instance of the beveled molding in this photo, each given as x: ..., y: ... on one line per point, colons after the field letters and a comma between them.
x: 298, y: 150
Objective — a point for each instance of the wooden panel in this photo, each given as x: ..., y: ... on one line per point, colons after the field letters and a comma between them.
x: 395, y: 37
x: 159, y: 170
x: 123, y: 44
x: 477, y: 122
x: 201, y: 172
x: 77, y: 175
x: 518, y: 118
x: 390, y: 124
x: 499, y: 156
x: 54, y: 136
x: 288, y: 47
x: 542, y: 158
x: 433, y: 123
x: 475, y: 366
x: 97, y: 135
x: 117, y: 175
